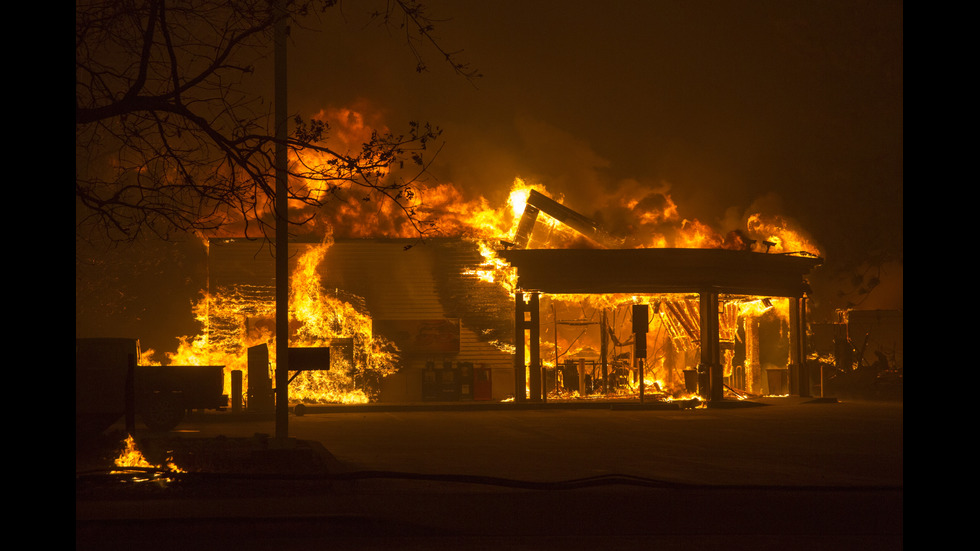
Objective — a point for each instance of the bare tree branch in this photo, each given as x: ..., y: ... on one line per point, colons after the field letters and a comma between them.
x: 168, y: 139
x: 412, y: 18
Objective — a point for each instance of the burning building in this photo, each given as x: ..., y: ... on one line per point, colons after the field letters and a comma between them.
x: 701, y: 297
x: 553, y: 307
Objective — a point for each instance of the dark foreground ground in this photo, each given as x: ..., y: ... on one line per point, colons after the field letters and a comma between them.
x: 788, y: 474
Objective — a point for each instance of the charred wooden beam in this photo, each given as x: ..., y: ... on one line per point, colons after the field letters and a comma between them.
x: 525, y: 226
x: 537, y: 202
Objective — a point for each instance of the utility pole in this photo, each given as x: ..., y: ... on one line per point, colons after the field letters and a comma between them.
x: 282, y: 229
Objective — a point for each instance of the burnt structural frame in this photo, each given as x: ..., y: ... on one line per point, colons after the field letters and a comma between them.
x: 709, y: 273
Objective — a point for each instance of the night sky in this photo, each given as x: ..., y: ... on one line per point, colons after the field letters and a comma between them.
x: 792, y: 107
x: 795, y: 107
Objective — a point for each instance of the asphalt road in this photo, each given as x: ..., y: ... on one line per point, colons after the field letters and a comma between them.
x: 788, y: 474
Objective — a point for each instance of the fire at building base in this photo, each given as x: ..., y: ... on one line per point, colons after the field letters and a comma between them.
x: 560, y: 311
x: 423, y: 322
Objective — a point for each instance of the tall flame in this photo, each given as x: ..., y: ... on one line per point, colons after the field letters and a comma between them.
x: 236, y: 320
x: 319, y: 318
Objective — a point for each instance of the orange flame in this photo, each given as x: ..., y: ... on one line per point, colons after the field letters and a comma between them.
x: 779, y: 231
x: 130, y: 457
x: 234, y: 320
x: 650, y: 217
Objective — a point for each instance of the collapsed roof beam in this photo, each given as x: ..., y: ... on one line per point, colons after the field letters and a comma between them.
x: 537, y: 202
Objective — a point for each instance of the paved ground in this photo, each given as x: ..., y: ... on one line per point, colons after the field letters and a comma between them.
x: 788, y: 474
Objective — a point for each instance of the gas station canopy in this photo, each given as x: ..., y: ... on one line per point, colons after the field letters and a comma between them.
x: 649, y: 271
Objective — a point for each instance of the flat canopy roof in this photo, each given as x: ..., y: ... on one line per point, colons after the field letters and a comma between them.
x: 650, y: 271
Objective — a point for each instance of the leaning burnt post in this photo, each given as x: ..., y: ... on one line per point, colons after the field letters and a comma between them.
x: 526, y: 226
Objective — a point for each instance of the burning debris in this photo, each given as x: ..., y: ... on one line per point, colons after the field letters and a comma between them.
x: 132, y: 464
x: 132, y: 457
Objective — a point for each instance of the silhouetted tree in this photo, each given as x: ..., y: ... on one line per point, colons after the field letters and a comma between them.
x: 168, y: 136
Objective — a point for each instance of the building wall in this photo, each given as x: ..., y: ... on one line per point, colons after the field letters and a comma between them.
x: 397, y: 282
x: 426, y: 282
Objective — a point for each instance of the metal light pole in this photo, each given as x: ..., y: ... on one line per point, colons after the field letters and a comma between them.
x: 282, y: 229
